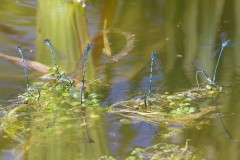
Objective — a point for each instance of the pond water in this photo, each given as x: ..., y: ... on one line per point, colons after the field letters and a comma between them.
x: 182, y: 32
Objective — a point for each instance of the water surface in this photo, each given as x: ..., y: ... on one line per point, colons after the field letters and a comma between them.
x: 176, y: 29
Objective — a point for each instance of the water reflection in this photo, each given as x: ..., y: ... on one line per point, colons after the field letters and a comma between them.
x: 170, y: 27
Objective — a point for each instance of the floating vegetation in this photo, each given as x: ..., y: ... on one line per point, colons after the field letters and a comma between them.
x: 166, y: 151
x: 57, y: 109
x: 179, y: 108
x: 163, y: 151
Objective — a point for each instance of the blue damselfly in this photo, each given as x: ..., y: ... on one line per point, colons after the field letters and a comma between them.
x: 20, y: 51
x: 87, y: 49
x: 53, y: 50
x: 148, y: 93
x: 225, y: 43
x: 60, y: 76
x: 154, y: 65
x: 28, y: 89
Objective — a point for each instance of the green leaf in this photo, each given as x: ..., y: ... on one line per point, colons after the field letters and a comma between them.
x: 59, y: 87
x: 131, y: 158
x: 75, y: 103
x: 75, y: 93
x: 50, y: 107
x: 94, y: 101
x: 92, y: 95
x: 66, y: 94
x: 64, y: 119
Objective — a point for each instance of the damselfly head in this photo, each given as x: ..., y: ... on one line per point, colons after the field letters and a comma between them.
x: 26, y: 52
x: 154, y: 53
x: 226, y: 43
x: 89, y: 45
x: 47, y: 41
x: 19, y: 47
x: 55, y: 50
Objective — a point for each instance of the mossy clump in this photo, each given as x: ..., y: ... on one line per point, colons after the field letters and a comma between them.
x: 181, y: 107
x: 162, y: 151
x: 50, y: 107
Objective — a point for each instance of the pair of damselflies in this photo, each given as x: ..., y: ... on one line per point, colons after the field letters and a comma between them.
x: 225, y: 42
x: 88, y: 47
x: 53, y: 50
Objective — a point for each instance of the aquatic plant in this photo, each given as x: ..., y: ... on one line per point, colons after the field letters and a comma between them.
x: 162, y: 151
x: 55, y: 108
x: 178, y: 108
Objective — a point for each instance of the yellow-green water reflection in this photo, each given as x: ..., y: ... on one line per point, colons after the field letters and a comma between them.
x: 171, y: 27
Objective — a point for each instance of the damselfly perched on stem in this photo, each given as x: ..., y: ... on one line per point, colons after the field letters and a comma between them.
x: 53, y: 50
x: 32, y: 91
x: 87, y: 49
x: 149, y: 92
x: 60, y: 76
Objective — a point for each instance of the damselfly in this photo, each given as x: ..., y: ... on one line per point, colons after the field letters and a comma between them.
x: 153, y: 56
x: 225, y: 43
x: 60, y: 76
x: 154, y: 64
x: 87, y: 49
x: 28, y: 89
x: 149, y: 92
x: 53, y: 50
x: 20, y: 51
